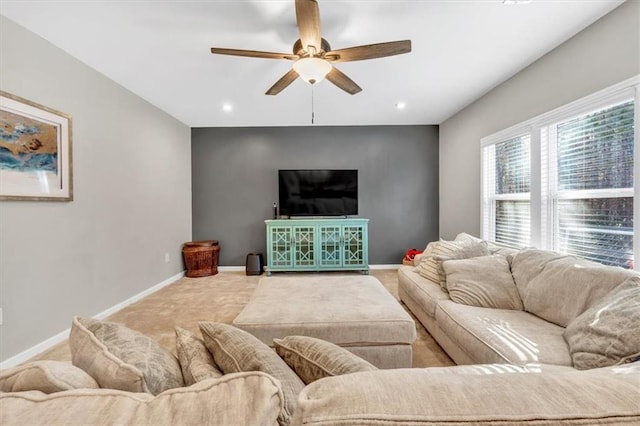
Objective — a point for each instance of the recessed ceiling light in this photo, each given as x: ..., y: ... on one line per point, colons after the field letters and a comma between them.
x: 227, y: 107
x: 401, y: 105
x: 516, y: 1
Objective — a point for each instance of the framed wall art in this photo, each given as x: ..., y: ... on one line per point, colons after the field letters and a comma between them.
x: 35, y: 151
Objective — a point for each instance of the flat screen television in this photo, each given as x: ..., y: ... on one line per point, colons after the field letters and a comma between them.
x: 318, y: 192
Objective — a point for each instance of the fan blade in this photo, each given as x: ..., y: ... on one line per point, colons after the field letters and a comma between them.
x: 369, y: 51
x: 282, y: 84
x: 253, y: 53
x: 308, y: 17
x: 338, y: 78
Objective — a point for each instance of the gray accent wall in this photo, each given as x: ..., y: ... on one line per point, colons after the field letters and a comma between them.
x: 603, y: 54
x: 132, y: 198
x: 235, y: 182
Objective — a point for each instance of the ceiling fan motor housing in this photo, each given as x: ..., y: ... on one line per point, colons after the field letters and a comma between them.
x: 302, y: 52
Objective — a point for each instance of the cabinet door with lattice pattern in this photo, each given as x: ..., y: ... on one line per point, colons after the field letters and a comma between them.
x: 354, y: 240
x: 330, y: 241
x: 280, y: 238
x: 303, y: 246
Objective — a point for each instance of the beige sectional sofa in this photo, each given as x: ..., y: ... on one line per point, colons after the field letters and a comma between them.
x: 525, y: 363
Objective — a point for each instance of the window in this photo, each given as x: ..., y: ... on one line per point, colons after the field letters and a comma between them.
x: 507, y: 181
x: 565, y: 180
x: 591, y: 184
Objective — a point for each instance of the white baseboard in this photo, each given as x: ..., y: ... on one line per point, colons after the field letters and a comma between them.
x: 52, y: 341
x: 390, y: 266
x: 231, y: 268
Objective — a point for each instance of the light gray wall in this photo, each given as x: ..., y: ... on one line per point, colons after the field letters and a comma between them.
x: 235, y: 182
x: 132, y: 198
x: 603, y: 54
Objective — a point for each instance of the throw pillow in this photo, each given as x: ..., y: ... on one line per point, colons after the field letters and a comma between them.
x: 428, y: 267
x: 235, y: 351
x: 484, y: 281
x: 464, y: 251
x: 120, y: 358
x: 426, y: 252
x: 45, y: 376
x: 195, y: 360
x: 467, y: 238
x: 607, y: 333
x: 313, y: 359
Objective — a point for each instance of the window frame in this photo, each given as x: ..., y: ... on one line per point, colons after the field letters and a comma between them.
x: 542, y: 191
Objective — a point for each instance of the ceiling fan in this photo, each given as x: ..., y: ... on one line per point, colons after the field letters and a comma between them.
x: 313, y: 55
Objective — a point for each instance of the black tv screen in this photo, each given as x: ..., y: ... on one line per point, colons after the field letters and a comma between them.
x: 318, y: 192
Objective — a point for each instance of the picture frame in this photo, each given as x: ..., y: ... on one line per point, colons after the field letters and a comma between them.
x: 35, y: 151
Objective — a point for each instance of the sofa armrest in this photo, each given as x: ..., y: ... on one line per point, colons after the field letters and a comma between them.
x: 427, y: 396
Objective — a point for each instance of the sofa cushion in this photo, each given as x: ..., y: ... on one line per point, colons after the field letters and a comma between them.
x: 566, y: 286
x: 484, y: 281
x: 467, y: 238
x: 195, y: 360
x: 236, y: 399
x: 313, y: 359
x: 425, y: 397
x: 45, y: 376
x: 608, y: 332
x: 490, y: 335
x: 423, y: 291
x: 528, y: 264
x: 466, y: 251
x: 494, y: 248
x: 235, y: 350
x: 431, y: 266
x: 120, y: 358
x: 426, y: 252
x: 428, y: 267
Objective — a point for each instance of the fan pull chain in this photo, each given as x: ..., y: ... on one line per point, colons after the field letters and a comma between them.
x: 313, y: 115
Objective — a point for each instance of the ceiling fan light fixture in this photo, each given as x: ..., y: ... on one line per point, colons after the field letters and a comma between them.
x: 312, y: 70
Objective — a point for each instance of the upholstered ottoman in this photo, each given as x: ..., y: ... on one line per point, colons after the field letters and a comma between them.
x: 353, y: 311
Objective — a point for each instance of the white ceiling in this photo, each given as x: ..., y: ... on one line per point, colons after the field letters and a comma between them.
x: 160, y: 51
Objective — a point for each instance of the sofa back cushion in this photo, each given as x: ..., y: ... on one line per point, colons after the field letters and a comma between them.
x: 244, y: 399
x: 558, y: 288
x: 608, y: 333
x: 426, y: 396
x: 528, y: 264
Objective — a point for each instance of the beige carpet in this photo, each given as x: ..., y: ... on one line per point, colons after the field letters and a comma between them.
x: 220, y: 298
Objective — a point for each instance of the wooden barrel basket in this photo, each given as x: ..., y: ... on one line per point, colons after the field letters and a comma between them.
x: 201, y: 258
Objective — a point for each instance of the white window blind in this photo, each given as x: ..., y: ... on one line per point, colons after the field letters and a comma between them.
x: 576, y: 192
x: 591, y: 184
x: 507, y: 187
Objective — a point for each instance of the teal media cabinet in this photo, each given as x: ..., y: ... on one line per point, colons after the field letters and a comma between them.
x: 317, y: 245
